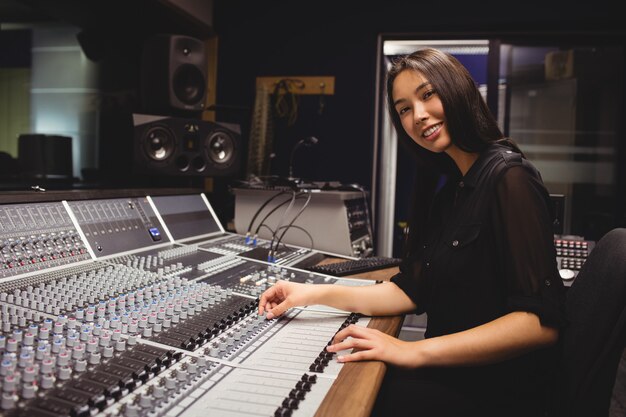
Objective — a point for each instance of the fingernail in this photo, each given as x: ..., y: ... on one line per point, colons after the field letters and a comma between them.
x: 270, y: 316
x: 339, y: 358
x: 329, y: 348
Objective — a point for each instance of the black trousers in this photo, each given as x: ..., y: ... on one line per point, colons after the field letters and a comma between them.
x: 447, y: 392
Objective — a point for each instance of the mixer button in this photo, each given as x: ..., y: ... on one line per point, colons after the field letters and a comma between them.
x: 291, y: 403
x: 296, y: 393
x: 283, y: 412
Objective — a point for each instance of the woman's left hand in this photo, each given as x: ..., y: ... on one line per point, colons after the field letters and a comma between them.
x: 373, y: 344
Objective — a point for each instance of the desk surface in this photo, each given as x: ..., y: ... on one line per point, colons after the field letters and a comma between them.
x: 354, y: 391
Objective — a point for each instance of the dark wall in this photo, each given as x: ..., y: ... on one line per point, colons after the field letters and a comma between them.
x: 340, y: 39
x: 321, y: 38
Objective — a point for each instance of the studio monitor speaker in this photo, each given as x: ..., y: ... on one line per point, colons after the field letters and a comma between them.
x: 183, y: 146
x: 173, y: 74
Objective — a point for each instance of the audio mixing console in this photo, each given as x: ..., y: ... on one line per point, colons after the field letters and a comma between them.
x: 147, y: 307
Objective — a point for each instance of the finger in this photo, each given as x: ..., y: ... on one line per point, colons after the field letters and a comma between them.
x: 351, y: 343
x: 262, y: 302
x: 362, y: 355
x: 352, y: 330
x: 267, y: 295
x: 278, y: 309
x: 266, y: 307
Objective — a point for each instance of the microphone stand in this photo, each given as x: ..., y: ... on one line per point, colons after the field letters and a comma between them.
x: 308, y: 141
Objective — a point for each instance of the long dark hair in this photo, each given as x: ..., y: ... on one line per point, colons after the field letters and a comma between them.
x: 472, y: 127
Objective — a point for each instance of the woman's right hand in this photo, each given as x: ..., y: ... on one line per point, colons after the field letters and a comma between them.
x: 282, y: 296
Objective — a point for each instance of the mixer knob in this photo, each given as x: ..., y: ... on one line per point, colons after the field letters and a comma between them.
x: 29, y: 374
x: 89, y: 315
x: 94, y: 358
x: 107, y: 352
x: 11, y: 345
x: 71, y: 340
x: 145, y: 401
x: 92, y: 345
x: 46, y: 366
x: 131, y: 410
x: 120, y: 345
x: 25, y: 358
x: 8, y: 401
x: 78, y: 352
x: 64, y: 373
x: 29, y: 390
x: 58, y: 328
x: 170, y: 382
x: 29, y: 339
x: 9, y: 383
x: 158, y: 391
x: 58, y: 344
x: 47, y: 381
x: 181, y: 375
x: 192, y: 368
x: 80, y: 365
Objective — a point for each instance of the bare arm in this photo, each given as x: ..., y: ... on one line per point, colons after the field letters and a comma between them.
x: 506, y: 337
x: 503, y: 338
x: 372, y: 300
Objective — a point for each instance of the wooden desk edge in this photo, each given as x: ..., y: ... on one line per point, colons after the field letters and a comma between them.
x: 354, y: 391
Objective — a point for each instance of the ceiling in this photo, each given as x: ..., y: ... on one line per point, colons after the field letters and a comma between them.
x: 117, y: 17
x: 13, y: 11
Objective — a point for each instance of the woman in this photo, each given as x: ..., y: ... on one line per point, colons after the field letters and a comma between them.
x: 480, y: 261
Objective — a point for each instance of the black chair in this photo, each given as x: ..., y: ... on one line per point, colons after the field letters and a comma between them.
x: 593, y: 341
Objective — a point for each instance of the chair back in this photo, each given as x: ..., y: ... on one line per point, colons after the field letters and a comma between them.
x: 593, y: 341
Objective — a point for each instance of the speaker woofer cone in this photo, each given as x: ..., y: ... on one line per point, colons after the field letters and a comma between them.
x: 189, y: 84
x: 220, y: 149
x: 159, y: 143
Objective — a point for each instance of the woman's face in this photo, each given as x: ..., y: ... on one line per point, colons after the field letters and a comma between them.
x: 421, y: 111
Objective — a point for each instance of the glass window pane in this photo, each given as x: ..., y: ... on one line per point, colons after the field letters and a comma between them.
x: 563, y: 106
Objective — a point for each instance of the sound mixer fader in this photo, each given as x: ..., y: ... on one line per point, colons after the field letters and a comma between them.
x: 156, y: 328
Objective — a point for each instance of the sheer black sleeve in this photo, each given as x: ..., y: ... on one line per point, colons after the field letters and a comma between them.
x: 409, y: 281
x: 525, y: 242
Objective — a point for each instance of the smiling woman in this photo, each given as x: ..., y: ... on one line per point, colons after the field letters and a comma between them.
x: 525, y: 80
x: 421, y: 112
x: 480, y: 262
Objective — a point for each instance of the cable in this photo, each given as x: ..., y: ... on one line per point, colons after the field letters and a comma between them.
x: 270, y: 256
x: 295, y: 227
x: 306, y: 203
x: 301, y: 228
x: 298, y: 197
x: 285, y: 100
x: 267, y: 227
x: 307, y: 142
x: 257, y: 213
